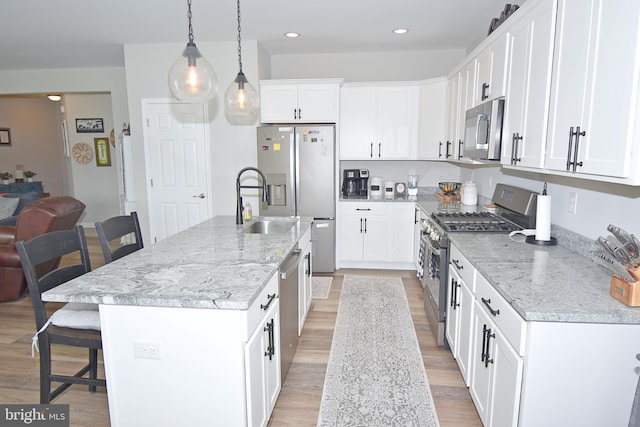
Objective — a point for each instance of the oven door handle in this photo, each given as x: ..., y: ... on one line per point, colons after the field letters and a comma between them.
x: 433, y: 249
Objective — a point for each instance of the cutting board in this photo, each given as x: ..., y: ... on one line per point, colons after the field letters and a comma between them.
x: 446, y: 198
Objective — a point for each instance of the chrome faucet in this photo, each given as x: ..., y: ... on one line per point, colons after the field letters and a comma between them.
x: 265, y: 193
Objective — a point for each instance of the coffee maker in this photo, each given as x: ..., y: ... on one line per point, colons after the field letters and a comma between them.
x: 355, y: 183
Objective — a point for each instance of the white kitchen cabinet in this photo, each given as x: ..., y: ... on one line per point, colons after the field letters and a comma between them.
x: 364, y: 231
x: 454, y: 105
x: 467, y: 91
x: 496, y: 374
x: 304, y: 279
x: 594, y: 91
x: 299, y: 101
x: 432, y: 123
x: 492, y: 70
x: 400, y: 229
x: 262, y: 367
x: 379, y: 122
x: 527, y: 100
x: 460, y: 311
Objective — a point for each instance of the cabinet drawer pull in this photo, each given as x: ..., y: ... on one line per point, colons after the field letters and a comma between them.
x: 485, y: 86
x: 460, y: 149
x: 371, y: 149
x: 270, y: 299
x: 446, y: 152
x: 456, y: 262
x: 491, y: 310
x: 379, y: 149
x: 440, y: 150
x: 271, y: 348
x: 487, y: 358
x: 363, y: 209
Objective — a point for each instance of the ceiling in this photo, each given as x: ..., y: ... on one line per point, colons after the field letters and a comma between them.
x: 38, y: 34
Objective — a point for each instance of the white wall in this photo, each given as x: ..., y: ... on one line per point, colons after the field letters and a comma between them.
x: 362, y: 67
x: 96, y: 186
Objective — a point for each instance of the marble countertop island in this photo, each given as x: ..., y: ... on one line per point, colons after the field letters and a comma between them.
x: 213, y: 265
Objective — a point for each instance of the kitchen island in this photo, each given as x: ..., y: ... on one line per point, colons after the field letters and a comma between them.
x: 186, y: 322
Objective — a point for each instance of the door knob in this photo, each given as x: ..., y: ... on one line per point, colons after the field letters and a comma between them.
x: 201, y: 196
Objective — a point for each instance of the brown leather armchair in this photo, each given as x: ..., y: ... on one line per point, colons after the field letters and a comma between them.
x: 39, y: 217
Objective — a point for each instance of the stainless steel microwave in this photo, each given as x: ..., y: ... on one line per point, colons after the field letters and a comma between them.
x: 483, y: 131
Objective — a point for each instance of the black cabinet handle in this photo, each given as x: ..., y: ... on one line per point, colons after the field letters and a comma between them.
x: 483, y: 355
x: 485, y: 86
x: 514, y: 148
x: 571, y: 133
x: 371, y: 149
x: 456, y: 262
x: 271, y: 348
x: 270, y: 299
x: 487, y: 358
x: 446, y: 153
x: 453, y: 291
x: 415, y: 216
x: 491, y: 310
x: 295, y: 114
x: 460, y: 149
x: 363, y: 209
x: 379, y: 149
x: 360, y: 225
x: 365, y: 225
x: 299, y: 114
x: 575, y: 150
x: 308, y: 259
x: 440, y: 150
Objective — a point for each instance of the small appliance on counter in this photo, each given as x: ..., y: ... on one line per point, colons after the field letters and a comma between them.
x: 377, y: 187
x: 389, y: 189
x: 355, y: 183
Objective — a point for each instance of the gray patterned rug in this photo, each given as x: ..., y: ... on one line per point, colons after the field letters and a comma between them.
x: 375, y: 375
x: 320, y: 287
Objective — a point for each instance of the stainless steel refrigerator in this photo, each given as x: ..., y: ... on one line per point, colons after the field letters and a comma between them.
x: 299, y: 163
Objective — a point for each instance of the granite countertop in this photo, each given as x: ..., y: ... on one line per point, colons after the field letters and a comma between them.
x: 212, y: 265
x: 551, y: 284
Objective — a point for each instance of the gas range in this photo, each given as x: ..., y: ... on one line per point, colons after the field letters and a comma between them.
x: 474, y: 221
x: 515, y: 210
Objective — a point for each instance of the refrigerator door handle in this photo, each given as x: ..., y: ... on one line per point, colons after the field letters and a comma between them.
x: 295, y: 177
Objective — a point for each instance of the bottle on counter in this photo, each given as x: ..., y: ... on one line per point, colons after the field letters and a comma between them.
x: 247, y: 212
x: 469, y: 193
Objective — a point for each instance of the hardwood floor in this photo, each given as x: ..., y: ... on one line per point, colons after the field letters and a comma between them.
x: 299, y: 401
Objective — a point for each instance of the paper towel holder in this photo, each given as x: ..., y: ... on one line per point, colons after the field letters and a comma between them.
x: 532, y: 239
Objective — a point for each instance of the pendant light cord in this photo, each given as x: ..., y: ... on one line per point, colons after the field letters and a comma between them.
x: 190, y: 26
x: 239, y: 40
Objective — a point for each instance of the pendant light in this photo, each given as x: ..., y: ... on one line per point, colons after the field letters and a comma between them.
x: 191, y: 77
x: 240, y: 99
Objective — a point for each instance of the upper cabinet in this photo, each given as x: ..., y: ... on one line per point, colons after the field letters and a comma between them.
x: 299, y: 101
x: 527, y: 96
x: 492, y: 65
x: 379, y: 122
x: 594, y: 92
x: 432, y: 119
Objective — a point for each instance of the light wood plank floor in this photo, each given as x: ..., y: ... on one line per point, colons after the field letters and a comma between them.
x: 299, y: 401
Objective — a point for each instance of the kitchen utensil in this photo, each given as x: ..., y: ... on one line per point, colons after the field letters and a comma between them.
x: 614, y: 251
x: 617, y: 268
x: 621, y: 253
x: 449, y: 187
x: 627, y: 241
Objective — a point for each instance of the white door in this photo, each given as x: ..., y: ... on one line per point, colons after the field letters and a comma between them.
x: 177, y: 157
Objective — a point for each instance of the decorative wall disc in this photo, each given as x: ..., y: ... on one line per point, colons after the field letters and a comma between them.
x: 82, y: 153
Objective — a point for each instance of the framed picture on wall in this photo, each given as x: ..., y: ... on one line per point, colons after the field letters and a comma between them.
x: 5, y: 136
x: 89, y: 126
x: 103, y: 155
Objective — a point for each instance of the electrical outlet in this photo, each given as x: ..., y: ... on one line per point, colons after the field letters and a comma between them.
x: 146, y: 350
x: 573, y: 202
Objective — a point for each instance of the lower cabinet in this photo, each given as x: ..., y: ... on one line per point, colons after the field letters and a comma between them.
x: 262, y: 367
x: 376, y: 234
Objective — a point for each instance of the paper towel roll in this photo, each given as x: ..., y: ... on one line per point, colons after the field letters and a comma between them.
x: 543, y: 218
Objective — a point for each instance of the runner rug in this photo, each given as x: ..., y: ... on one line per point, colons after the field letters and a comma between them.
x: 320, y: 287
x: 375, y: 375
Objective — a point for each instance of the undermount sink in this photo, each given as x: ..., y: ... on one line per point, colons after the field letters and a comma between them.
x: 270, y: 227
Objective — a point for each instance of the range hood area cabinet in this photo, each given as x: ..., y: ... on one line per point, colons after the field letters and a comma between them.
x: 572, y: 100
x: 379, y: 121
x: 299, y: 101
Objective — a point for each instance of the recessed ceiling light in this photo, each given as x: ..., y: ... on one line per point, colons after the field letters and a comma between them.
x: 292, y: 35
x: 54, y: 97
x: 400, y: 31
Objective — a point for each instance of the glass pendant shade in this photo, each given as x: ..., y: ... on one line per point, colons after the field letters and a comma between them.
x: 191, y: 77
x: 241, y: 99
